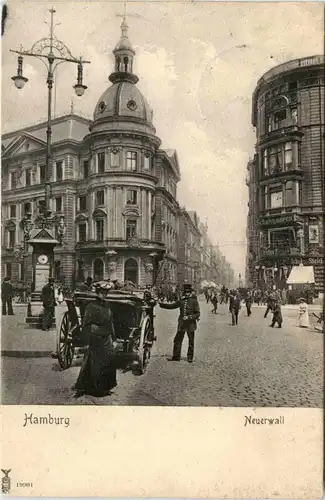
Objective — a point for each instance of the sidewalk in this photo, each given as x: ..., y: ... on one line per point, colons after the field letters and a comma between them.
x: 21, y: 341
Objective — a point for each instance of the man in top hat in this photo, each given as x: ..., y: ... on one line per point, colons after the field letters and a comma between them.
x: 48, y: 299
x: 189, y: 314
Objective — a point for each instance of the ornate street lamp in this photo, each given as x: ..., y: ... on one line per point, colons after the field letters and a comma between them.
x: 51, y: 52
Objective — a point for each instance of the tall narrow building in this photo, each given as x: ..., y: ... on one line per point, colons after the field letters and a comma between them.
x: 288, y: 113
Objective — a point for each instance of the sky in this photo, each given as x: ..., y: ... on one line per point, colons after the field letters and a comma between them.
x: 191, y: 71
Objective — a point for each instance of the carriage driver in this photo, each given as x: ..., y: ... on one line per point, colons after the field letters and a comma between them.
x: 188, y: 316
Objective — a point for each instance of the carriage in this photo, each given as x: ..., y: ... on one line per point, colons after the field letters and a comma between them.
x: 133, y: 323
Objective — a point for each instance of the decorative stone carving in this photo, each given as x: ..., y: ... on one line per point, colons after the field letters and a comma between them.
x: 112, y: 266
x: 148, y: 267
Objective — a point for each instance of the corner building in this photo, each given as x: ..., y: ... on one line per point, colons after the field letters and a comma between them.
x: 115, y: 187
x: 288, y: 113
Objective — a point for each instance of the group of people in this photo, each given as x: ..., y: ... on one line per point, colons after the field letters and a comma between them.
x: 98, y: 372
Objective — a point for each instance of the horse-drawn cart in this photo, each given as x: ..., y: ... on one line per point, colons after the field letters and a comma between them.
x: 133, y: 324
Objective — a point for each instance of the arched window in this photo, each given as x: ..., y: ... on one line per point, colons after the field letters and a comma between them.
x: 118, y: 64
x: 126, y: 64
x: 131, y: 271
x: 98, y: 270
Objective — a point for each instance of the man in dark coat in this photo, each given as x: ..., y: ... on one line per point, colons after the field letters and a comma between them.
x: 249, y: 302
x: 277, y: 315
x: 234, y: 308
x: 7, y: 293
x: 187, y: 321
x: 48, y: 299
x: 270, y: 304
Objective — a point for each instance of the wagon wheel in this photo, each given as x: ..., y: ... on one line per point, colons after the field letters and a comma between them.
x: 65, y: 349
x: 144, y: 346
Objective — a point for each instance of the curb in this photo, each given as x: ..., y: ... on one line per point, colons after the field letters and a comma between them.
x: 26, y: 354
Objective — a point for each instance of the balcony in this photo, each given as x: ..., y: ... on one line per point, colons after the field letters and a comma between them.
x: 287, y: 128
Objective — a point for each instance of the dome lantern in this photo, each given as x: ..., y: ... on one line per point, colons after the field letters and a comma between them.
x: 124, y: 55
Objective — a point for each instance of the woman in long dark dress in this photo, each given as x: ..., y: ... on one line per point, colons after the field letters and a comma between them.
x: 97, y: 376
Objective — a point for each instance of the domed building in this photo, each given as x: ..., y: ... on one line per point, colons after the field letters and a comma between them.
x: 114, y: 185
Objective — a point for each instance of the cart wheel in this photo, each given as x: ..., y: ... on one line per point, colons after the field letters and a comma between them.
x: 144, y: 346
x: 65, y: 349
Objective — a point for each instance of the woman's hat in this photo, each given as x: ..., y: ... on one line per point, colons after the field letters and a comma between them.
x: 302, y: 299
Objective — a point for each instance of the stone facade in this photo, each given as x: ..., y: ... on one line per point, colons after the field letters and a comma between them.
x: 288, y: 114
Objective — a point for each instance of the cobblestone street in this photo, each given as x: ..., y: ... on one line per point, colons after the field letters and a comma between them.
x: 248, y: 365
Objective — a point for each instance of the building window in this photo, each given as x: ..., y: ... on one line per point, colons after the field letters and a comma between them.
x: 13, y: 180
x: 146, y: 162
x: 85, y: 169
x: 82, y: 203
x: 11, y: 238
x: 294, y: 115
x: 288, y: 156
x: 58, y: 204
x: 42, y: 173
x: 274, y: 159
x: 131, y: 160
x: 131, y: 196
x: 289, y: 194
x: 99, y: 226
x: 82, y: 232
x: 28, y: 177
x: 299, y: 193
x: 59, y: 171
x: 41, y: 206
x: 57, y: 270
x: 99, y: 198
x: 101, y: 162
x: 21, y: 272
x: 279, y: 118
x: 27, y: 208
x: 131, y: 228
x: 8, y: 271
x: 276, y: 198
x: 12, y: 211
x: 115, y: 158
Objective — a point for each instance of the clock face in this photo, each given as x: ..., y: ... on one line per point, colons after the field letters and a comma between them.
x: 43, y: 259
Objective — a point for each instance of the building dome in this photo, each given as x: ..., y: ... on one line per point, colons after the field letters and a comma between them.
x: 123, y: 99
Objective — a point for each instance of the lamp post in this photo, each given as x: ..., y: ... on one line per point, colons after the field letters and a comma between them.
x: 51, y: 52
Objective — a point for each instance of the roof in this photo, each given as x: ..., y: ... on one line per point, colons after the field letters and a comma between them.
x: 301, y: 275
x: 73, y: 127
x: 123, y: 99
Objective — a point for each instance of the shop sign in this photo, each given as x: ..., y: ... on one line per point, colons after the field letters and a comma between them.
x: 279, y: 220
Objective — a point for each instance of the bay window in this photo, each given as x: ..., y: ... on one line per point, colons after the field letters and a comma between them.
x: 280, y: 158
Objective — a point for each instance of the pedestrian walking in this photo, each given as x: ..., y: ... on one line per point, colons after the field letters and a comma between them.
x: 48, y: 299
x: 235, y: 308
x: 249, y: 302
x: 7, y: 293
x: 277, y: 315
x: 270, y: 305
x: 187, y: 321
x: 214, y: 301
x: 303, y: 316
x: 97, y: 376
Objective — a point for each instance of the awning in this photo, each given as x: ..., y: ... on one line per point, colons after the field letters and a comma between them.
x: 300, y: 275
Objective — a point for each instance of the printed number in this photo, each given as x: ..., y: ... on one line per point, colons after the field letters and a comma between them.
x: 24, y: 485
